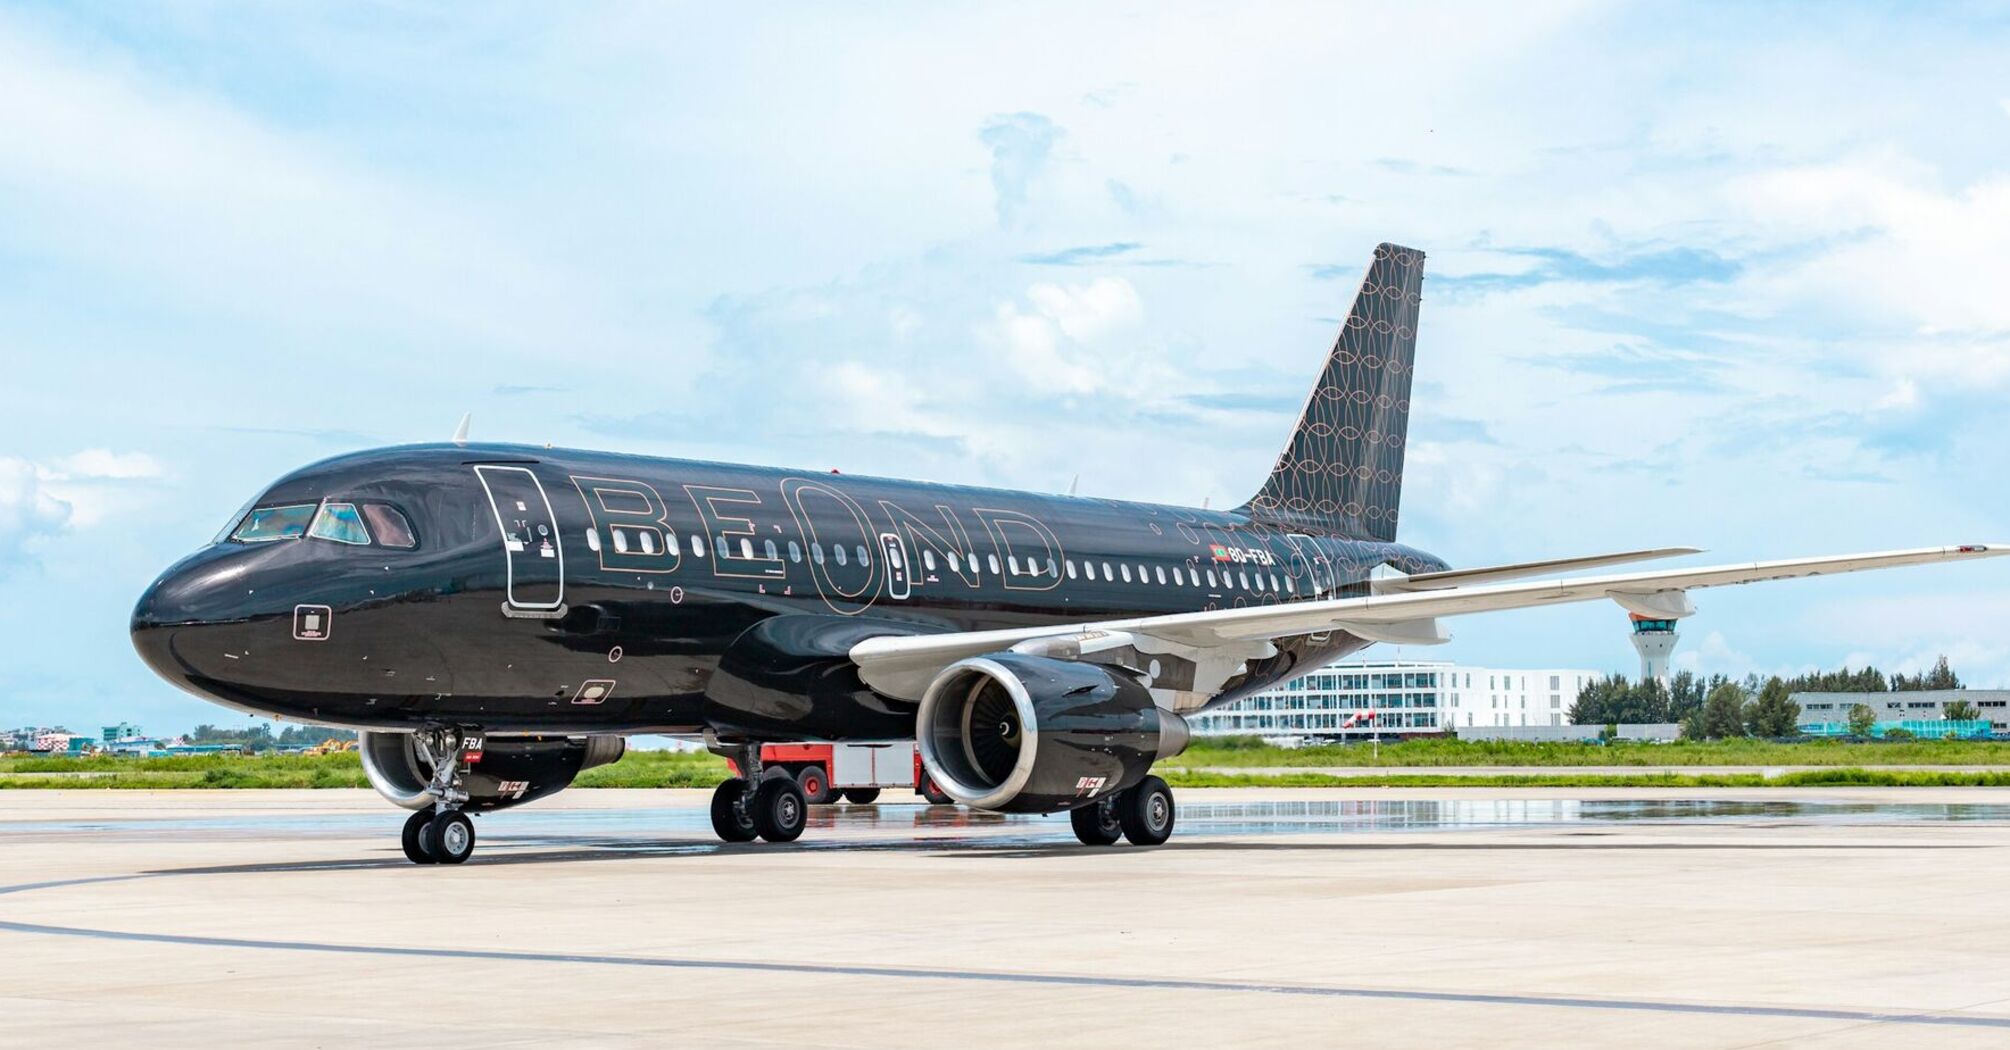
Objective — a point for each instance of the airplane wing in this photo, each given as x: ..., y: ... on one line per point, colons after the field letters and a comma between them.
x: 1432, y: 581
x: 1219, y: 641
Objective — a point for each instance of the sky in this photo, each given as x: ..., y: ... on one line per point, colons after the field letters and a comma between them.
x: 1723, y: 275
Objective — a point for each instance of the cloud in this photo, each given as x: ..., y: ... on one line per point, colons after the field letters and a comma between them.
x: 99, y: 463
x: 1057, y: 343
x: 29, y: 512
x: 1903, y: 395
x: 1081, y: 256
x: 1666, y: 266
x: 1019, y: 144
x: 96, y: 483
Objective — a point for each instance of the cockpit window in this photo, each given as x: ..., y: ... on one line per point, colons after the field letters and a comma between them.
x: 341, y: 523
x: 392, y: 530
x: 265, y: 524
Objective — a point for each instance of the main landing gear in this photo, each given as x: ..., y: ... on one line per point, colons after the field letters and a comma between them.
x: 752, y: 805
x: 1144, y: 814
x: 442, y: 833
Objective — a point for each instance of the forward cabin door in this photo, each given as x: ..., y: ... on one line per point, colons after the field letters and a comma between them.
x: 533, y: 551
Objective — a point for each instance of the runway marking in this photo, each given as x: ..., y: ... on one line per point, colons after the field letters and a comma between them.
x: 1007, y: 977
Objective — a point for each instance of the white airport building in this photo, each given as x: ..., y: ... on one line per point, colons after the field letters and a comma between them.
x: 1405, y: 697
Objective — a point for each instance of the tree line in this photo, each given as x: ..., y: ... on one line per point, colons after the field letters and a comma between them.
x: 261, y: 737
x: 1871, y: 680
x: 1718, y: 707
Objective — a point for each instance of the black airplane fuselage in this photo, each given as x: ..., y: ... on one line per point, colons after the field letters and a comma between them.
x: 561, y: 591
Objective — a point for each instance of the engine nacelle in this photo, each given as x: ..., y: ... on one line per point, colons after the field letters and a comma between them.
x: 510, y: 772
x: 1031, y: 734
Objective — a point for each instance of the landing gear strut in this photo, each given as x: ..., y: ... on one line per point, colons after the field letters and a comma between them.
x: 754, y: 805
x: 442, y: 834
x: 1144, y: 814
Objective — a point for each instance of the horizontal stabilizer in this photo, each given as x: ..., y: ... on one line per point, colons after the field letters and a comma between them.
x: 1438, y: 581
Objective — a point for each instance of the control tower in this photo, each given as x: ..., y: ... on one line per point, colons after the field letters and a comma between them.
x: 1654, y: 640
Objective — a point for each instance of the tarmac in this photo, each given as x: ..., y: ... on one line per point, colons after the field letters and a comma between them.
x: 1356, y: 916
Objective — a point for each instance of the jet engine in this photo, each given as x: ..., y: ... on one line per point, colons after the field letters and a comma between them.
x: 1032, y: 734
x: 510, y: 771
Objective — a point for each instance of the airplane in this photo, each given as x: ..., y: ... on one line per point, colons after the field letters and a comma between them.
x: 495, y: 619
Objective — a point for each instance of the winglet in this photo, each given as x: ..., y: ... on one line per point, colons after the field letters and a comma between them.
x: 461, y: 432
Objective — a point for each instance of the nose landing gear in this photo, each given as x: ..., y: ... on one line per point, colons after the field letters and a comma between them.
x: 442, y: 833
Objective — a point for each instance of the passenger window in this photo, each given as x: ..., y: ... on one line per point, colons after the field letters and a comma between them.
x: 954, y: 564
x: 992, y: 560
x: 1243, y: 579
x: 341, y: 523
x: 1126, y: 569
x: 837, y: 553
x: 265, y: 524
x: 817, y: 553
x: 389, y: 526
x: 1053, y: 569
x: 1012, y: 563
x: 1071, y: 568
x: 894, y: 558
x: 648, y: 539
x: 1108, y: 574
x: 1211, y: 582
x: 863, y: 561
x: 1161, y: 571
x: 1291, y: 585
x: 593, y: 540
x: 928, y: 561
x: 746, y: 548
x: 1273, y: 582
x: 697, y: 545
x: 795, y: 552
x: 768, y: 549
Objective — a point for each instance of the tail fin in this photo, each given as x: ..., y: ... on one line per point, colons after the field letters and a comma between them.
x: 1342, y: 471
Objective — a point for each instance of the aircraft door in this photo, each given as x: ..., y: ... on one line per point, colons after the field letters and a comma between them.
x: 1316, y: 563
x: 897, y: 585
x: 533, y: 551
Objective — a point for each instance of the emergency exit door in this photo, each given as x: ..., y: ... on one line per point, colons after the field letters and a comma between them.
x: 533, y: 552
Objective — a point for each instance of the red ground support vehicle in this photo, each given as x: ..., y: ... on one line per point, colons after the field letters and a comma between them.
x: 856, y: 771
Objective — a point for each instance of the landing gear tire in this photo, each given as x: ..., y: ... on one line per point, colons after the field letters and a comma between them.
x: 1146, y: 812
x: 449, y: 838
x: 1097, y: 824
x: 935, y: 795
x: 816, y: 785
x: 861, y: 796
x: 415, y: 826
x: 779, y: 810
x: 729, y: 818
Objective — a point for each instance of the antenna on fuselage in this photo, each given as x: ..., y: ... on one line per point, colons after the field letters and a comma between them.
x: 461, y: 431
x: 1072, y: 484
x: 1205, y: 500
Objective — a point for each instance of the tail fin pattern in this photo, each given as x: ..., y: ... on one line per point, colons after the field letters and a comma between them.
x: 1342, y: 471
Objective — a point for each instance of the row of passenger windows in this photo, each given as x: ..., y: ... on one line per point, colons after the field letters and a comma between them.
x: 646, y: 541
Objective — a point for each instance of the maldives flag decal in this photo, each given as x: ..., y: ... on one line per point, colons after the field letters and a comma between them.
x: 1220, y: 552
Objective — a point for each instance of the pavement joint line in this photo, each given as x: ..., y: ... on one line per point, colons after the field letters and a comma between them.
x: 1007, y: 977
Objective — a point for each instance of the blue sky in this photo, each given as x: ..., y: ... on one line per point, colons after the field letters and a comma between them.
x: 1730, y: 276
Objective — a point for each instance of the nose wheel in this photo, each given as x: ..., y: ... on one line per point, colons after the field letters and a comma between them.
x: 441, y: 833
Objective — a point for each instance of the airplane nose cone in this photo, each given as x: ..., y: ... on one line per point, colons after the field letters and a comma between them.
x: 153, y: 626
x: 181, y: 601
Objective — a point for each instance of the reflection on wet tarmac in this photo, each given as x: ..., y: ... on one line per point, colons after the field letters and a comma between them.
x: 1204, y: 818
